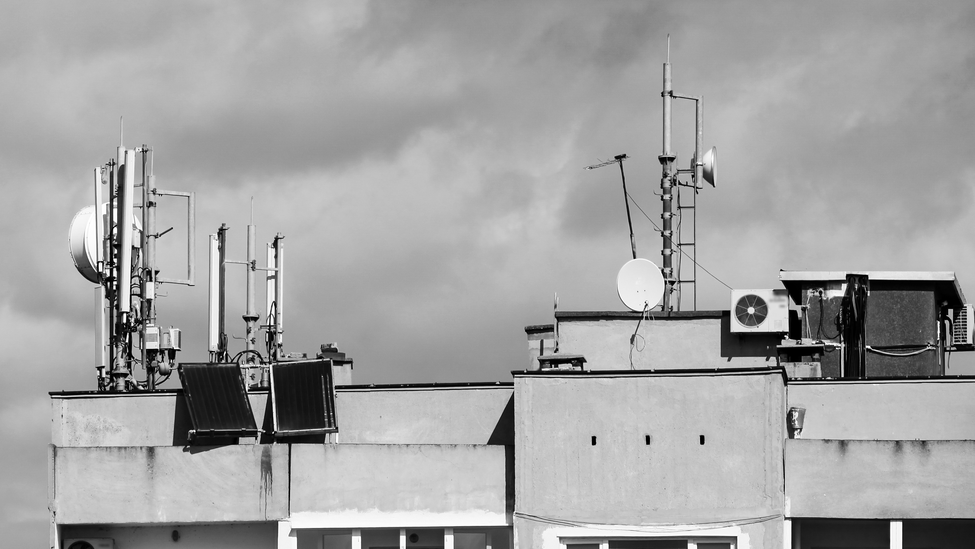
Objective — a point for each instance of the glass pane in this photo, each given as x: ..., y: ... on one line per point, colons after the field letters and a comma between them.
x: 842, y: 533
x: 385, y: 538
x: 337, y: 541
x: 424, y: 538
x: 648, y: 544
x: 942, y: 534
x: 469, y: 540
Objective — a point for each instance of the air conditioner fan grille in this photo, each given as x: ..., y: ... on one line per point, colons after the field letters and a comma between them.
x: 751, y: 310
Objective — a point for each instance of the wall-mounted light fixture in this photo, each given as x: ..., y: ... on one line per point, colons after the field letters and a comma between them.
x: 796, y: 418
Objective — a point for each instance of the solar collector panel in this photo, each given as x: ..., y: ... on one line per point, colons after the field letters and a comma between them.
x: 303, y: 398
x: 217, y: 400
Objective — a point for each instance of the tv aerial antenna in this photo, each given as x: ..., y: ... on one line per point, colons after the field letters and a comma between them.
x: 618, y: 159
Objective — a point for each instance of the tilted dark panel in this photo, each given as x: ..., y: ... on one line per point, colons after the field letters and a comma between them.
x: 217, y: 400
x: 303, y: 397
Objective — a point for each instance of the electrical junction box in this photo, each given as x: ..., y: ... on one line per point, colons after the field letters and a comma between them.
x: 759, y: 311
x: 171, y: 339
x: 152, y: 338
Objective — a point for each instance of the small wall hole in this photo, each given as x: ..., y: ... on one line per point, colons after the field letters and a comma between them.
x: 702, y: 440
x: 648, y: 440
x: 594, y: 440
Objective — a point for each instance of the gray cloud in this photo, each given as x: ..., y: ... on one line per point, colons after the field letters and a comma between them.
x: 425, y: 162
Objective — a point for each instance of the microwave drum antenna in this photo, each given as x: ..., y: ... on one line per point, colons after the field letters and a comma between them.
x: 82, y: 242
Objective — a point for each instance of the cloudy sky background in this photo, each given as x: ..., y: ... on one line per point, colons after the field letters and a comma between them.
x: 425, y: 162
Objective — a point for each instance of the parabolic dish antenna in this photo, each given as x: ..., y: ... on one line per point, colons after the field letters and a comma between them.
x: 83, y: 244
x: 640, y: 284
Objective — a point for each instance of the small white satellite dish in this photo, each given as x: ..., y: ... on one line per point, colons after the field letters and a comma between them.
x: 640, y: 284
x: 82, y: 242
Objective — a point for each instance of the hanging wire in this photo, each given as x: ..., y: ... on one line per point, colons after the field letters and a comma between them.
x: 679, y: 248
x: 820, y: 330
x: 912, y: 353
x: 645, y: 315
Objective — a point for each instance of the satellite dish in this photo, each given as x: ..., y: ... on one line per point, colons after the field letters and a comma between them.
x: 710, y: 163
x: 83, y: 244
x: 640, y: 284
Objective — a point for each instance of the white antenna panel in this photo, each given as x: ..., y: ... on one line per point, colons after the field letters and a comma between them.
x: 640, y: 284
x: 83, y: 244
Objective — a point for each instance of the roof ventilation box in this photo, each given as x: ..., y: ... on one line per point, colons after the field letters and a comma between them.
x: 759, y: 311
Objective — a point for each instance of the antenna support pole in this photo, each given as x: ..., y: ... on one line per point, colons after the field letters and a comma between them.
x: 121, y: 369
x: 667, y: 158
x: 250, y: 315
x: 275, y: 296
x: 222, y: 290
x: 626, y: 199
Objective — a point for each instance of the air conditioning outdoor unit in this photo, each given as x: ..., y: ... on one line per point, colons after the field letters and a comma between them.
x: 759, y: 311
x: 89, y: 543
x: 963, y: 326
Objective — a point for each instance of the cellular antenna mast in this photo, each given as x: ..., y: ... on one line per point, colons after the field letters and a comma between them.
x: 114, y: 247
x: 255, y: 365
x: 702, y: 169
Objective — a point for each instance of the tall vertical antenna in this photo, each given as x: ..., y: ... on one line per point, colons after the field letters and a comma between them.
x: 250, y: 315
x: 666, y: 177
x: 702, y: 169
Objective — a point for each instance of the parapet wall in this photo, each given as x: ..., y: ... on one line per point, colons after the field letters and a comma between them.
x: 427, y: 414
x: 681, y: 340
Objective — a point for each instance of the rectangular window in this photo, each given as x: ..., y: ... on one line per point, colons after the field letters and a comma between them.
x: 648, y: 544
x: 337, y: 541
x: 651, y: 543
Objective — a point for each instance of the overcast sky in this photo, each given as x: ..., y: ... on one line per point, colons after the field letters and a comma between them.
x: 425, y: 163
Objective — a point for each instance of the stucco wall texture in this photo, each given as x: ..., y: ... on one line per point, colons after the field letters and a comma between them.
x: 366, y: 480
x: 668, y: 448
x: 663, y: 343
x: 903, y: 479
x: 474, y: 414
x: 146, y: 484
x: 920, y: 409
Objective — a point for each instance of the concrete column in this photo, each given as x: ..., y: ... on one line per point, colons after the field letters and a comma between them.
x: 787, y: 534
x: 287, y: 538
x: 356, y: 539
x: 52, y: 504
x: 487, y: 541
x: 402, y: 538
x: 448, y: 538
x: 896, y: 534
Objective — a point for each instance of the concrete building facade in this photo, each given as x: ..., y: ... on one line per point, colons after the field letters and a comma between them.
x: 643, y: 431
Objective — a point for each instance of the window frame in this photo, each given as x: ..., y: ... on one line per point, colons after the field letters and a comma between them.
x: 692, y: 541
